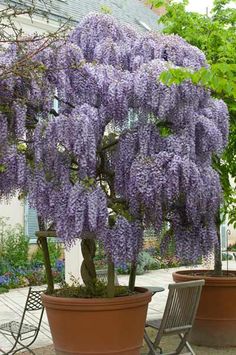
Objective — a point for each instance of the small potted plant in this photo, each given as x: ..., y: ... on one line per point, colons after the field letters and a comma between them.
x: 120, y: 152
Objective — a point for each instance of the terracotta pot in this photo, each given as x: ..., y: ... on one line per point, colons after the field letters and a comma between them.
x: 98, y: 325
x: 215, y: 322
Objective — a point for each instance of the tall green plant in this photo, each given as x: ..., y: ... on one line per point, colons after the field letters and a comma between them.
x: 216, y: 36
x: 55, y: 252
x: 14, y: 246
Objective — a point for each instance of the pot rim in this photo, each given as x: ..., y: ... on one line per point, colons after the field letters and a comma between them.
x: 144, y: 296
x: 214, y: 280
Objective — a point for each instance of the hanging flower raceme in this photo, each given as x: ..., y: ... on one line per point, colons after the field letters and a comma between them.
x: 123, y: 241
x: 3, y: 130
x: 94, y: 30
x: 75, y: 137
x: 172, y: 48
x: 19, y: 115
x: 13, y: 172
x: 208, y: 138
x: 8, y: 58
x: 176, y: 50
x: 197, y: 242
x: 70, y: 60
x: 84, y: 212
x: 217, y: 112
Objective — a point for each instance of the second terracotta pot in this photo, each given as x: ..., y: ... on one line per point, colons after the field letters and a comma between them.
x: 95, y: 326
x: 215, y: 323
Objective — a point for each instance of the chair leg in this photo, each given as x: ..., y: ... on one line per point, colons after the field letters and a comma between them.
x: 13, y: 346
x: 188, y: 346
x: 17, y: 340
x: 152, y: 349
x: 23, y: 346
x: 183, y: 343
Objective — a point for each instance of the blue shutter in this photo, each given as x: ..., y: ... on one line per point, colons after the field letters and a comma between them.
x: 31, y: 222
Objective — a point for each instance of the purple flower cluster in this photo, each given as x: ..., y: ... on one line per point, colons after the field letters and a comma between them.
x: 106, y: 80
x: 123, y: 241
x: 13, y: 175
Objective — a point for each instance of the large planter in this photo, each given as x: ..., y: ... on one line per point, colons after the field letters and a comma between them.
x: 215, y: 323
x: 98, y: 325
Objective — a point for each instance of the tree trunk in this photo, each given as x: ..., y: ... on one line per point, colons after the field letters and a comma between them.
x: 42, y: 240
x: 132, y: 276
x: 218, y: 263
x: 88, y: 271
x: 47, y: 263
x: 111, y: 279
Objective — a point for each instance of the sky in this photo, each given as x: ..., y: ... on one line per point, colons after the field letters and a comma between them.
x: 200, y: 5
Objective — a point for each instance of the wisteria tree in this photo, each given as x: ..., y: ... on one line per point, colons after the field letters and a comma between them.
x: 122, y: 151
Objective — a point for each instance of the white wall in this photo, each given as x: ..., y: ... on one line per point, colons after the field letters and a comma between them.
x: 13, y: 210
x: 231, y: 235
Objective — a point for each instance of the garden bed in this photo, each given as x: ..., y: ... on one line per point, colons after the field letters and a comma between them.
x: 19, y: 267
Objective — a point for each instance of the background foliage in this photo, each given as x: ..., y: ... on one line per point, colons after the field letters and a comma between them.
x: 18, y: 267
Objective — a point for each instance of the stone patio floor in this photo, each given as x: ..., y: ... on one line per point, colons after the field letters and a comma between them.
x: 12, y: 305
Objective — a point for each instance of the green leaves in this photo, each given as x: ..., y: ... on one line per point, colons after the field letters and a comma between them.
x: 164, y: 129
x: 220, y: 79
x: 105, y: 9
x: 88, y: 182
x: 157, y: 3
x: 2, y: 168
x: 21, y: 147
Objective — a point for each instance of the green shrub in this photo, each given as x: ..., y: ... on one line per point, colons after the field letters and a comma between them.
x: 14, y: 246
x: 226, y: 256
x: 55, y: 252
x: 3, y: 289
x: 145, y: 262
x: 232, y: 247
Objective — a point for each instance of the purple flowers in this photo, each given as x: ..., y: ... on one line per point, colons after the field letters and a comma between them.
x: 123, y: 151
x: 123, y: 241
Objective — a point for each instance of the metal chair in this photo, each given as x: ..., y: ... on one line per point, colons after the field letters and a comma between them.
x: 178, y: 317
x: 21, y: 331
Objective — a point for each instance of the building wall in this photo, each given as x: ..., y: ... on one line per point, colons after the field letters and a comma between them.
x: 13, y: 210
x: 231, y: 235
x: 231, y: 229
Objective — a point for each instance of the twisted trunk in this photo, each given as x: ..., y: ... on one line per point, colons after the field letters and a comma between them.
x: 88, y: 271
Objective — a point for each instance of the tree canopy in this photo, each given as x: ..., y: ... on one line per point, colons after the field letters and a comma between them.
x: 123, y: 150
